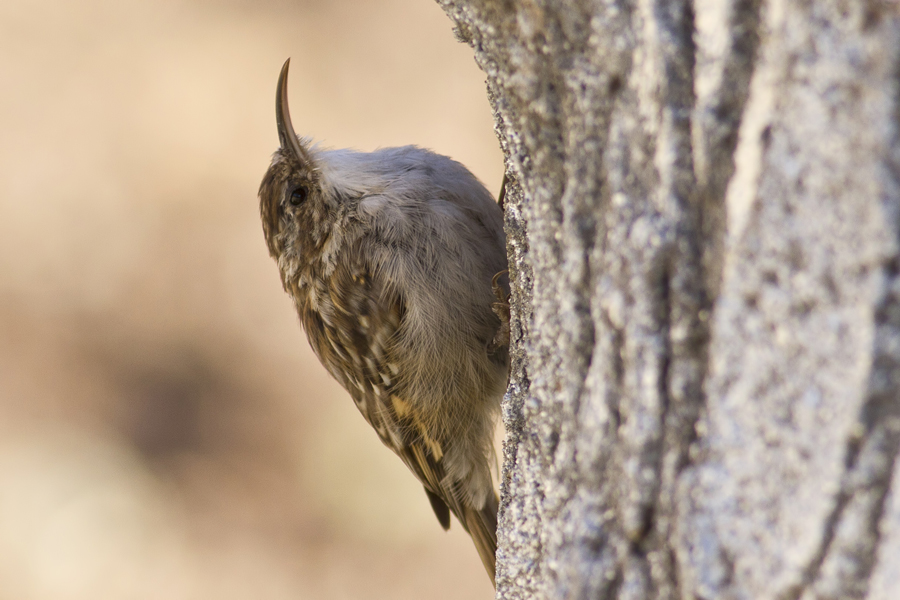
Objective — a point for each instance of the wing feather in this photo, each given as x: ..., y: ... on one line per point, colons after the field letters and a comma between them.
x: 355, y: 328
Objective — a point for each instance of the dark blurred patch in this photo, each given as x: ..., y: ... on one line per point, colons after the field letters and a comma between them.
x: 202, y: 396
x: 161, y: 404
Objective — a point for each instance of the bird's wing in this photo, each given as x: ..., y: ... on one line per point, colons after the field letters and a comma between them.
x: 358, y: 321
x: 354, y: 328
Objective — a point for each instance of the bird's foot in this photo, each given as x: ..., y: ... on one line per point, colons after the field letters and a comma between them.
x: 501, y: 309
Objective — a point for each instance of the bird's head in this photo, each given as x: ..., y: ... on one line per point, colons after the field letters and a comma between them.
x: 297, y: 212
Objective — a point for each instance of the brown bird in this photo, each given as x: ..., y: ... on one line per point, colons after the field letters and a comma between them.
x: 389, y: 258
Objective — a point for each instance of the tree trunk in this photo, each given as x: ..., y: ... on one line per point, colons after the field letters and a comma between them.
x: 703, y: 223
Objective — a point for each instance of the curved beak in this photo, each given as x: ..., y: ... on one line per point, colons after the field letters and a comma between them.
x: 289, y: 141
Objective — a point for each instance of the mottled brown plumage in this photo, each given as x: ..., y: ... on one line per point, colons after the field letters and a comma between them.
x: 389, y: 257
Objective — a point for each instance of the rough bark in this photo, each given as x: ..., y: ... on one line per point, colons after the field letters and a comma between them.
x: 703, y: 232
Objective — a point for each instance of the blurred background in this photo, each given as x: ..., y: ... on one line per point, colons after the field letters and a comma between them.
x: 165, y: 431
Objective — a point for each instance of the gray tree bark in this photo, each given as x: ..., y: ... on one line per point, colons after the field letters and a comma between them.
x: 703, y: 230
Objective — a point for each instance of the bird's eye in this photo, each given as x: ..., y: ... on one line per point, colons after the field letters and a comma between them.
x: 298, y: 196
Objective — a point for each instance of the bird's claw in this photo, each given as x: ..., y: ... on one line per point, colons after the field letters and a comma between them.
x: 501, y: 309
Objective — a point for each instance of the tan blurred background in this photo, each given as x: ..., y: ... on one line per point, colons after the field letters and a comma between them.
x: 165, y: 431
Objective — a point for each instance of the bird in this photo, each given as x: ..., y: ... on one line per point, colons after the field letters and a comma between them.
x: 392, y: 260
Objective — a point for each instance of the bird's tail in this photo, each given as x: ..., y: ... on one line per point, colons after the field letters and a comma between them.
x: 482, y: 526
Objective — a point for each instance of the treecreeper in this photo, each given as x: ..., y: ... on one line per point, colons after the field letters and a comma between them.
x: 391, y: 260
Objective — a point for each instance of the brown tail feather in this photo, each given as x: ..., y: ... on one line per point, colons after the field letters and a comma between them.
x: 482, y: 526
